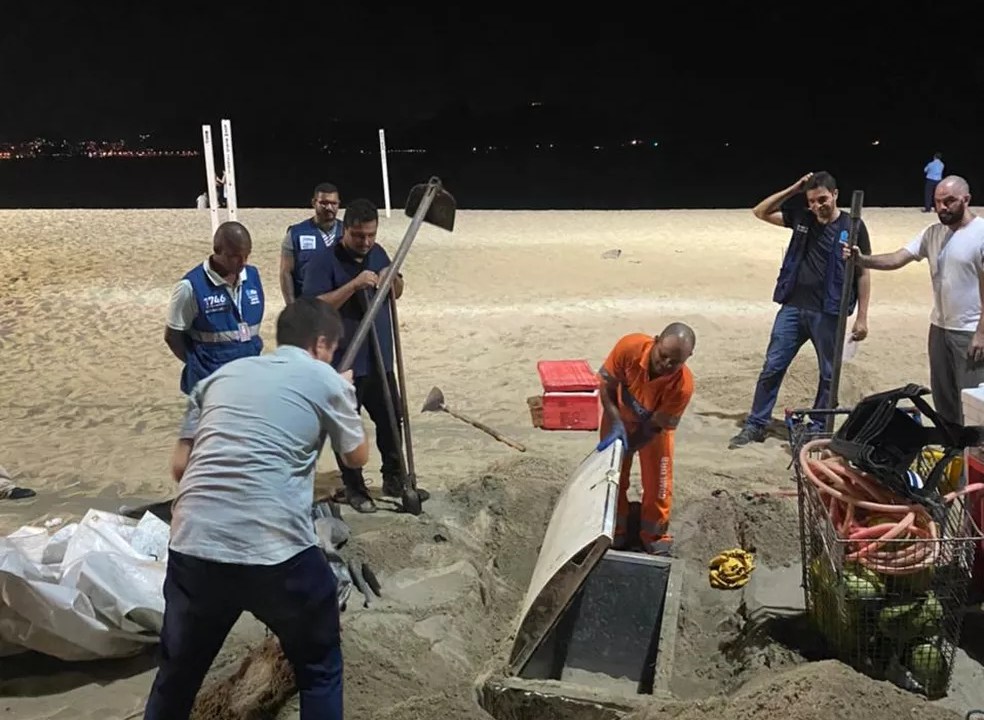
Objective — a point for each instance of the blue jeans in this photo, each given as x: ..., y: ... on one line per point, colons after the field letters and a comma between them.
x: 792, y: 327
x: 297, y: 600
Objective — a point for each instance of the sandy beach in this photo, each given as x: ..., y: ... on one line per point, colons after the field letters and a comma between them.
x: 90, y: 406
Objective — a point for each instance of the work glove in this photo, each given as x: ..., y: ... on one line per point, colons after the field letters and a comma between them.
x: 617, y: 432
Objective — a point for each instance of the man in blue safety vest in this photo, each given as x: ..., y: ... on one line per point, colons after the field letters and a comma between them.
x: 309, y: 239
x: 808, y: 290
x: 216, y: 309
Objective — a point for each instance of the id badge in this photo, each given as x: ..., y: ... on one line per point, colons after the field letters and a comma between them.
x: 244, y: 332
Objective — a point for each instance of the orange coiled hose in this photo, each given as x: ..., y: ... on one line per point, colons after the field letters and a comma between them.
x: 853, y: 498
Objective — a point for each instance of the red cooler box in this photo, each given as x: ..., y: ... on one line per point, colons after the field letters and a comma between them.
x: 570, y: 398
x: 974, y: 465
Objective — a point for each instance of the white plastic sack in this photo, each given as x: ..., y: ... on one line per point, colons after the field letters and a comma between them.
x: 91, y: 590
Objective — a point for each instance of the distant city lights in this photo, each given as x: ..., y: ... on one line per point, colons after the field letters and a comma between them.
x: 95, y: 149
x: 143, y: 148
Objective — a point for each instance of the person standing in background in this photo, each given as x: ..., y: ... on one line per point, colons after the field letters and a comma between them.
x: 216, y: 309
x: 309, y: 238
x: 934, y: 173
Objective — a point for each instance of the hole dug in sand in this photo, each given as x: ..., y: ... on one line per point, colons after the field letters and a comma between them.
x: 451, y: 580
x: 456, y: 586
x: 617, y: 653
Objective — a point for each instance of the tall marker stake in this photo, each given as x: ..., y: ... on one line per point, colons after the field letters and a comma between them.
x: 230, y: 169
x: 386, y: 180
x: 213, y: 201
x: 857, y: 200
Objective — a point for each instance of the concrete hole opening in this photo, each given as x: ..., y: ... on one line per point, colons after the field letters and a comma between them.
x: 598, y: 626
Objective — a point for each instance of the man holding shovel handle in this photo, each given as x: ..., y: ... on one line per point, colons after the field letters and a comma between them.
x: 346, y: 277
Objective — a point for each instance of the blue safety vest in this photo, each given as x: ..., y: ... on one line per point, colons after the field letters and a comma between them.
x: 215, y: 337
x: 834, y: 275
x: 307, y: 240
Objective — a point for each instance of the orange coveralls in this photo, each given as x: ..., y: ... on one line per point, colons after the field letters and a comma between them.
x: 639, y: 397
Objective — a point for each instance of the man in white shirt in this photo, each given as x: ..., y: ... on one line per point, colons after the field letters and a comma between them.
x: 242, y: 535
x: 954, y: 249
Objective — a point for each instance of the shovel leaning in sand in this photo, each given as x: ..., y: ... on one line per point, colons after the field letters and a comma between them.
x: 432, y: 204
x: 427, y: 202
x: 435, y: 403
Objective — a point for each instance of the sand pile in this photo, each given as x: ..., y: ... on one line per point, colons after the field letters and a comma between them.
x: 444, y: 614
x: 441, y: 623
x: 445, y: 621
x: 716, y: 650
x: 818, y: 691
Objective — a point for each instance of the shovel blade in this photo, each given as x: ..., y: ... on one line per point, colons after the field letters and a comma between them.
x: 442, y: 208
x: 434, y: 401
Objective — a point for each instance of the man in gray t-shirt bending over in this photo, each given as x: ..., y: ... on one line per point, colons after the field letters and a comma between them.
x: 242, y: 535
x: 954, y: 249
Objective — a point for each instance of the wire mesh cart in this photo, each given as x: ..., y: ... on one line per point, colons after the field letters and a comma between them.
x: 885, y: 586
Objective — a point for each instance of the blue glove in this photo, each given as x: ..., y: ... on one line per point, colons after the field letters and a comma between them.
x: 617, y: 432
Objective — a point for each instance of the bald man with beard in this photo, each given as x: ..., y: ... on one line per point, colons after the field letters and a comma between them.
x: 954, y: 249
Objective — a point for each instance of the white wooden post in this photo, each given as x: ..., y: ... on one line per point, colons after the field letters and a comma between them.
x: 230, y: 169
x: 386, y: 180
x: 213, y: 202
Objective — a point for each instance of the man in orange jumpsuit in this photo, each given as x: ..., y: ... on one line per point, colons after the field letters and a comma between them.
x: 645, y: 389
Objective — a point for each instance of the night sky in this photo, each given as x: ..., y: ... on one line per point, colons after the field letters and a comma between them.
x: 741, y: 99
x: 75, y: 71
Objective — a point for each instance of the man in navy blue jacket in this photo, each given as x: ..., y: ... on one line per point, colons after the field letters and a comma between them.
x: 808, y: 291
x: 309, y: 238
x: 346, y: 277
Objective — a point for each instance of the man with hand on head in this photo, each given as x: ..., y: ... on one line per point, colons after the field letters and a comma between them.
x: 242, y: 535
x: 954, y: 249
x: 216, y: 309
x: 808, y: 291
x: 645, y: 387
x: 306, y: 239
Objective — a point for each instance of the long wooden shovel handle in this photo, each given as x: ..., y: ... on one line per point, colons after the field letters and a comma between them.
x: 485, y: 428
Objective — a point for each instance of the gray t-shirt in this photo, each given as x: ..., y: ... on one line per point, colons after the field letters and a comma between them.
x: 956, y: 261
x: 259, y: 425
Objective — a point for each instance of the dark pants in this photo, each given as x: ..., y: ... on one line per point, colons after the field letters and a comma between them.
x: 793, y: 327
x: 928, y: 194
x: 950, y: 371
x: 297, y: 600
x: 369, y: 395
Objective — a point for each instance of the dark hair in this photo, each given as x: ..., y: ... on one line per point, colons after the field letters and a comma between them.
x: 305, y: 320
x: 360, y: 211
x: 325, y: 188
x: 821, y: 179
x: 937, y: 156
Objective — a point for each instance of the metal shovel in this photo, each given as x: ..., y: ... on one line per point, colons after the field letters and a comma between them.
x: 435, y: 403
x: 428, y: 202
x: 411, y: 499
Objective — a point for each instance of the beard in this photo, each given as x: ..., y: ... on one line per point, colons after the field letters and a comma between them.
x: 948, y: 217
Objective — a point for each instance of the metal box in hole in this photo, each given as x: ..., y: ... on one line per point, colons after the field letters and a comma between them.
x: 611, y: 635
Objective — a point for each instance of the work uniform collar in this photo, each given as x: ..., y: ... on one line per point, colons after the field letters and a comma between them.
x: 291, y: 352
x: 647, y: 350
x: 346, y: 255
x: 218, y: 279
